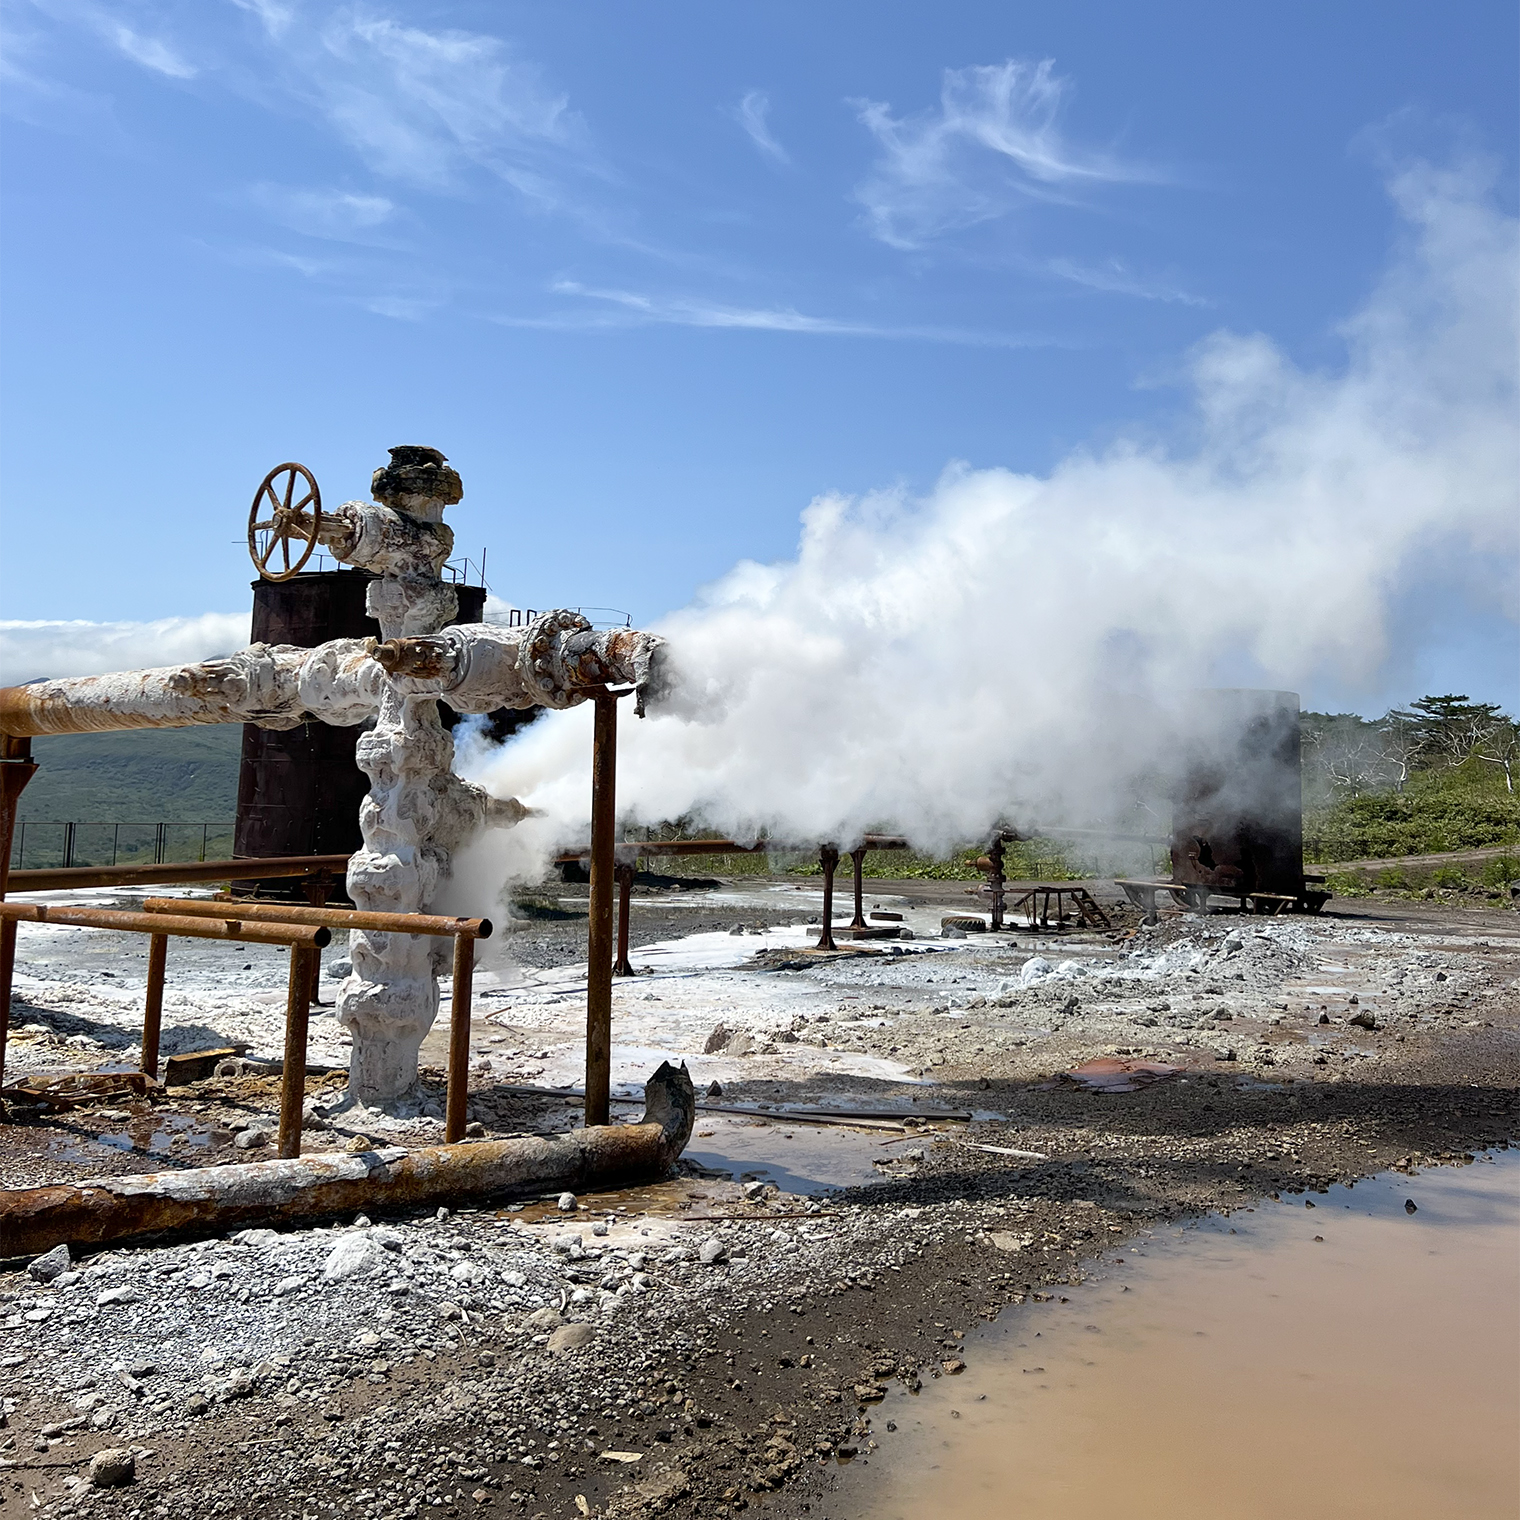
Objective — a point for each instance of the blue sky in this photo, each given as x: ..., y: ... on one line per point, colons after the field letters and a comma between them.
x: 656, y: 276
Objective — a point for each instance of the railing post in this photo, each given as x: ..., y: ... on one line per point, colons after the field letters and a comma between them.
x: 68, y: 845
x: 858, y: 860
x: 153, y: 1004
x: 16, y: 769
x: 622, y: 966
x: 293, y: 1077
x: 599, y: 924
x: 317, y: 889
x: 7, y: 970
x: 455, y: 1111
x: 828, y: 858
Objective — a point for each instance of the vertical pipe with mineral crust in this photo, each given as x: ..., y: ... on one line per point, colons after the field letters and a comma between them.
x: 599, y: 929
x: 828, y: 858
x: 459, y: 1039
x: 293, y: 1079
x: 153, y: 1004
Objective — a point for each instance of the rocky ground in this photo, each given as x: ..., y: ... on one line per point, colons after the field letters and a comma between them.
x: 711, y: 1344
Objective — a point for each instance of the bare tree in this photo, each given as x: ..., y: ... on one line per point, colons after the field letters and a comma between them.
x: 1501, y: 746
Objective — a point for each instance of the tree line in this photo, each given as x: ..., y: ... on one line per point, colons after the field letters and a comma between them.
x: 1345, y: 755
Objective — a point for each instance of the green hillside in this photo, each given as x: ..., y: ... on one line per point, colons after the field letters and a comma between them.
x: 187, y: 775
x: 145, y: 776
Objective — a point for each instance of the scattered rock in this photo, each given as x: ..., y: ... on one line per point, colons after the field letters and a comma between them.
x: 112, y: 1468
x: 475, y: 1130
x: 1363, y: 1019
x: 541, y: 1320
x: 251, y: 1139
x: 1410, y: 1206
x: 567, y: 1203
x: 358, y: 1144
x: 572, y: 1337
x: 355, y: 1255
x: 121, y: 1295
x: 713, y: 1251
x: 49, y: 1265
x: 720, y: 1037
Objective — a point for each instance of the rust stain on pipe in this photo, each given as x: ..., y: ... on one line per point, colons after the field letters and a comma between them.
x: 33, y: 1220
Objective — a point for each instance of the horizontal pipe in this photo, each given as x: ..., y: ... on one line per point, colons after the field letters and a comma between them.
x: 246, y: 868
x: 308, y: 937
x: 633, y: 847
x: 218, y: 1198
x: 332, y: 918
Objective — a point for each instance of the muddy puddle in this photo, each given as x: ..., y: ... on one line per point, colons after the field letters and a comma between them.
x: 1349, y: 1360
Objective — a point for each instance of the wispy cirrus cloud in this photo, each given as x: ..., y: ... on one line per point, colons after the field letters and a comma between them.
x: 341, y: 215
x: 151, y: 52
x: 753, y: 114
x: 635, y: 308
x: 993, y: 145
x: 425, y: 107
x: 1114, y: 277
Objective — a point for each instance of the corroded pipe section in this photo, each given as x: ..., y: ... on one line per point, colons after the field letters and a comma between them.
x: 274, y: 685
x: 33, y: 1220
x: 557, y: 660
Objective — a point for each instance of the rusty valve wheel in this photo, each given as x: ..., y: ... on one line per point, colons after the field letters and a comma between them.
x: 290, y: 497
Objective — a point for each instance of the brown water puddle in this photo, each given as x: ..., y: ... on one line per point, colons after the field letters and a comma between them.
x: 1353, y: 1361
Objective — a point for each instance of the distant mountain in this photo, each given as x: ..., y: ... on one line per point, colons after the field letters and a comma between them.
x: 145, y: 775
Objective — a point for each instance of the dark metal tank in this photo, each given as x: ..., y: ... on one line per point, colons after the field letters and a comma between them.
x: 1237, y: 816
x: 299, y: 789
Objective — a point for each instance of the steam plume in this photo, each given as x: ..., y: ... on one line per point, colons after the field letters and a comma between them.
x: 925, y: 665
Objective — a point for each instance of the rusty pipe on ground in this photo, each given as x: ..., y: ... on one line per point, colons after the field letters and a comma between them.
x: 219, y: 1198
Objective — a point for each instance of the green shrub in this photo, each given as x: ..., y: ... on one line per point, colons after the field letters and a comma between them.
x: 1449, y: 876
x: 1424, y: 819
x: 1501, y: 871
x: 1393, y: 879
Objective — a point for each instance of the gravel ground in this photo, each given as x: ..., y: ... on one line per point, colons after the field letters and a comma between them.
x: 700, y: 1346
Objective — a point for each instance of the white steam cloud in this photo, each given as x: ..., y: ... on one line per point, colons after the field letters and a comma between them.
x: 34, y: 651
x: 931, y: 665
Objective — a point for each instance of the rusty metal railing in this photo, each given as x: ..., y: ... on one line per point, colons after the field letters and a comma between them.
x: 463, y: 931
x: 305, y: 931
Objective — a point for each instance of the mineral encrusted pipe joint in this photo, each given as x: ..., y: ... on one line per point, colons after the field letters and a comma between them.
x: 417, y: 812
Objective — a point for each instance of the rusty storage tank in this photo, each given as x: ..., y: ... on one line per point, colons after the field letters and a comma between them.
x: 299, y: 789
x: 1237, y: 813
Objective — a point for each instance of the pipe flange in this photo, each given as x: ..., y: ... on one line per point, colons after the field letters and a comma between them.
x: 540, y: 653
